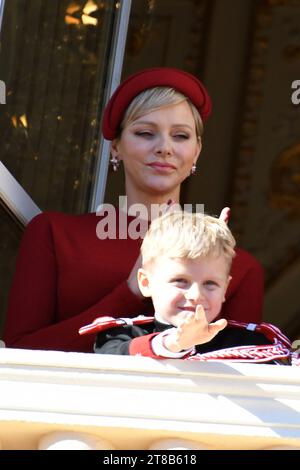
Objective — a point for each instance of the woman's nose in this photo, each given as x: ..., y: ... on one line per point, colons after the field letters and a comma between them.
x: 163, y: 145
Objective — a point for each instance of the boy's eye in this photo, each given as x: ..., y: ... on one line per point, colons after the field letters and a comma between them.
x: 211, y: 285
x: 179, y: 280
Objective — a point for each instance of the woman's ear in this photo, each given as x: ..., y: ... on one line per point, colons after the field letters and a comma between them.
x: 114, y: 148
x: 199, y: 148
x: 143, y: 282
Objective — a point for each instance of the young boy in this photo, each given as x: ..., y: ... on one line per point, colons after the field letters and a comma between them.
x: 186, y: 264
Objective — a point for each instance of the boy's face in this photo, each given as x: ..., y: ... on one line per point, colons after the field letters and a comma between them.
x: 177, y: 286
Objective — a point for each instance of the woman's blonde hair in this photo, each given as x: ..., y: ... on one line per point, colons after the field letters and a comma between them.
x: 154, y: 99
x: 182, y: 234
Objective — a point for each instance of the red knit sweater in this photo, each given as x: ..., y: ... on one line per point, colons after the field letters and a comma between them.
x: 66, y: 277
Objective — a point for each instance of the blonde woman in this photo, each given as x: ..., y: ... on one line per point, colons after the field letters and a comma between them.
x: 66, y: 275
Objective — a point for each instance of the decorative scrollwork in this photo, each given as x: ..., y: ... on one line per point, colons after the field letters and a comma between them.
x: 285, y: 181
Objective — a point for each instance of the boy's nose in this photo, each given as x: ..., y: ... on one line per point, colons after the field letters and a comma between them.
x: 194, y: 293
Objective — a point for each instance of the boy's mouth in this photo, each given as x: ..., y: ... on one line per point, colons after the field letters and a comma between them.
x: 191, y: 309
x: 188, y: 309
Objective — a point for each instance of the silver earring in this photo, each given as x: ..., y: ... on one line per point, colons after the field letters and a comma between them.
x: 194, y: 168
x: 115, y: 162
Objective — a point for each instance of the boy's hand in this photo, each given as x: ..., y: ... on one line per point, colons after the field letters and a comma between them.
x: 225, y: 214
x: 194, y: 329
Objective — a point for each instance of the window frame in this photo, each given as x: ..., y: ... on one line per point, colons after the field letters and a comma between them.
x: 12, y: 195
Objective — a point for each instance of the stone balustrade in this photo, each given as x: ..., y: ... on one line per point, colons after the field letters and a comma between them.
x: 57, y: 400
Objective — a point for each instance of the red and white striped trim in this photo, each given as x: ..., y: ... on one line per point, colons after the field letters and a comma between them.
x: 104, y: 323
x: 280, y: 349
x: 267, y: 329
x: 255, y: 353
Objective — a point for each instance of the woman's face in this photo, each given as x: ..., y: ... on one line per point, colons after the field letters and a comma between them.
x: 158, y: 150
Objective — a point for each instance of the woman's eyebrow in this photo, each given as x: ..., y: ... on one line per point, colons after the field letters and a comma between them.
x: 154, y: 124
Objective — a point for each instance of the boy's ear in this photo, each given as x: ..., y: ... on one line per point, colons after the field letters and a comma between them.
x: 143, y: 282
x: 228, y: 281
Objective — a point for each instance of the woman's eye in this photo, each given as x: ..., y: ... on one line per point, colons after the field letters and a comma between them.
x: 144, y: 134
x: 181, y: 136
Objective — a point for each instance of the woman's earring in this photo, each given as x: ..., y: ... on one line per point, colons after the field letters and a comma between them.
x: 115, y: 162
x: 194, y: 168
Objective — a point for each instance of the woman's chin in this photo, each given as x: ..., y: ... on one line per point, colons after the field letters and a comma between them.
x: 162, y: 187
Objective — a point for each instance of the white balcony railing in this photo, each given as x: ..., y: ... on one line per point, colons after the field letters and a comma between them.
x: 98, y: 401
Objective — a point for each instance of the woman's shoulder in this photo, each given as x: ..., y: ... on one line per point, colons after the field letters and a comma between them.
x: 55, y: 217
x: 48, y: 223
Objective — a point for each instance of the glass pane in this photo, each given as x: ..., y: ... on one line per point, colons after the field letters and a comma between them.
x: 53, y: 59
x: 162, y: 33
x: 10, y: 236
x: 166, y: 33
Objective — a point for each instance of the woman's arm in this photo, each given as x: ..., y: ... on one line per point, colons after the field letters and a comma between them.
x: 33, y: 319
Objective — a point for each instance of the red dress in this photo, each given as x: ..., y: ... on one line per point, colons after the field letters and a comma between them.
x: 66, y: 277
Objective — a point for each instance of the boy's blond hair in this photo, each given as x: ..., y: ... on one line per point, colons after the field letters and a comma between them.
x: 182, y: 234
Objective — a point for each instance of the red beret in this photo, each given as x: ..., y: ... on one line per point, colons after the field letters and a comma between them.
x: 184, y: 82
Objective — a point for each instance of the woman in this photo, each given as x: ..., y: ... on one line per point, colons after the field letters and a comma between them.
x: 66, y: 275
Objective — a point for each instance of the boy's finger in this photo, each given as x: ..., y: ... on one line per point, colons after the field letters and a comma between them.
x: 225, y: 214
x: 220, y: 324
x: 200, y: 313
x: 188, y: 318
